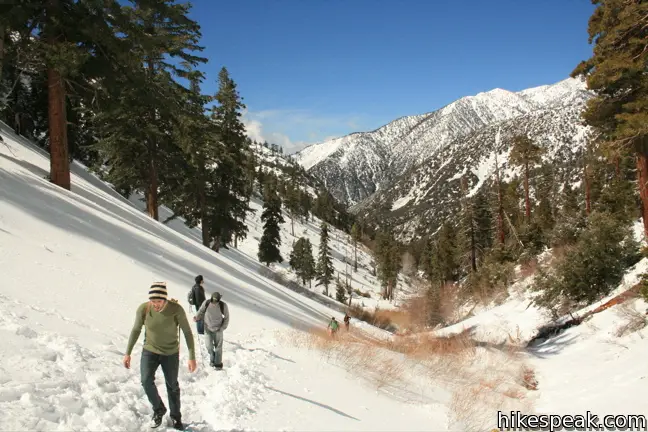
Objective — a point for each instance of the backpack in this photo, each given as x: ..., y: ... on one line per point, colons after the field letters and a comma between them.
x: 221, y: 304
x: 190, y: 297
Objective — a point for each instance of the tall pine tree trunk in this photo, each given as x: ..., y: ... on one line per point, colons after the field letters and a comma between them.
x: 527, y: 201
x: 59, y: 161
x: 473, y: 247
x: 203, y: 218
x: 355, y: 258
x: 500, y: 205
x: 292, y: 224
x: 588, y: 201
x: 2, y: 39
x: 152, y: 192
x: 642, y: 171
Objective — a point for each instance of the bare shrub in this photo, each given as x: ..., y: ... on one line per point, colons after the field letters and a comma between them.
x: 528, y: 378
x: 528, y: 268
x: 634, y: 320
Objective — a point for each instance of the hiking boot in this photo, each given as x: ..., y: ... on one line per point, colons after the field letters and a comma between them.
x: 218, y: 366
x: 177, y: 423
x: 157, y: 417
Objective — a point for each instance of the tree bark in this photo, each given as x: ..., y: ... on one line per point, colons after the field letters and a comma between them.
x: 500, y: 205
x: 2, y: 39
x: 588, y: 202
x: 203, y: 212
x: 642, y: 171
x: 152, y: 192
x: 58, y: 143
x: 527, y: 201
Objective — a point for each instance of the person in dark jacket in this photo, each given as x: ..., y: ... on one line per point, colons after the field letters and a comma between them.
x: 198, y: 292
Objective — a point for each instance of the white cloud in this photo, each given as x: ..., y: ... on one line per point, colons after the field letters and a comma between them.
x: 254, y: 129
x: 270, y: 125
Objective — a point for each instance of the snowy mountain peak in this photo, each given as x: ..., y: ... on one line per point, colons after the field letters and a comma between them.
x: 355, y: 166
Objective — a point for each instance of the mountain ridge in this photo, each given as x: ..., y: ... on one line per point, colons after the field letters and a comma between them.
x: 361, y: 169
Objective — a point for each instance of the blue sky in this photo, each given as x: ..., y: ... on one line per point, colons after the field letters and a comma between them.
x: 313, y: 69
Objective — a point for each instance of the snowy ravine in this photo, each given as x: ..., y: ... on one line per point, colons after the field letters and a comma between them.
x: 409, y: 171
x: 75, y: 266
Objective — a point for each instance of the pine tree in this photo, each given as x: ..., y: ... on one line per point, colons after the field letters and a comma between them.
x: 616, y: 74
x: 447, y: 253
x: 340, y: 292
x: 302, y: 261
x: 325, y: 269
x: 355, y: 236
x: 292, y: 204
x: 524, y: 153
x: 271, y: 239
x: 231, y: 176
x: 389, y: 264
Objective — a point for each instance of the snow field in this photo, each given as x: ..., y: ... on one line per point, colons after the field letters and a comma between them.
x: 76, y: 264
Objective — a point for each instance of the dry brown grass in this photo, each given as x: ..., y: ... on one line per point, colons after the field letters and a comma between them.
x: 481, y: 381
x: 473, y: 407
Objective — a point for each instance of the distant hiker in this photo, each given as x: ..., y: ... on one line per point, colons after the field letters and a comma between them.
x: 162, y: 320
x: 333, y: 326
x: 197, y: 298
x: 216, y: 315
x: 347, y: 321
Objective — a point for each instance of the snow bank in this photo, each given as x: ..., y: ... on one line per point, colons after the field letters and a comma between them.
x: 76, y: 264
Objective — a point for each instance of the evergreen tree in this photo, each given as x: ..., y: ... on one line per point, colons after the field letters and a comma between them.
x: 272, y: 219
x: 292, y: 204
x: 616, y: 74
x: 302, y: 261
x: 524, y: 153
x: 355, y: 236
x: 231, y: 176
x: 389, y: 264
x: 325, y: 261
x: 447, y: 253
x: 340, y: 292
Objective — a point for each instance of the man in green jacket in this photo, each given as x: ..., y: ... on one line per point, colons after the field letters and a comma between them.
x: 162, y: 320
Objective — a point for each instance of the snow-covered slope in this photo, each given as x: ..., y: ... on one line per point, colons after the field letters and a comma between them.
x: 75, y: 265
x: 357, y: 166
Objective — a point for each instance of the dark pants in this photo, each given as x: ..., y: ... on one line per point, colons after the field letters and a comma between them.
x: 170, y: 365
x: 200, y: 326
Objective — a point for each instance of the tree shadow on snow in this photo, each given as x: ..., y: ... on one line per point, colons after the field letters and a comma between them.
x: 313, y: 402
x: 270, y: 353
x: 77, y: 215
x: 551, y: 346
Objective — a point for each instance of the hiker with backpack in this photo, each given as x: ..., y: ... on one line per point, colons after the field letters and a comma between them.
x: 347, y: 321
x: 333, y: 326
x: 196, y: 297
x: 162, y: 319
x: 216, y: 315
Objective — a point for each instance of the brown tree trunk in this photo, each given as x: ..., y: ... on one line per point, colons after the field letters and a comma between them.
x: 355, y: 258
x: 2, y: 39
x: 292, y: 224
x: 57, y: 118
x: 500, y: 205
x: 642, y: 171
x: 588, y: 202
x: 527, y: 201
x: 203, y: 213
x: 152, y: 192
